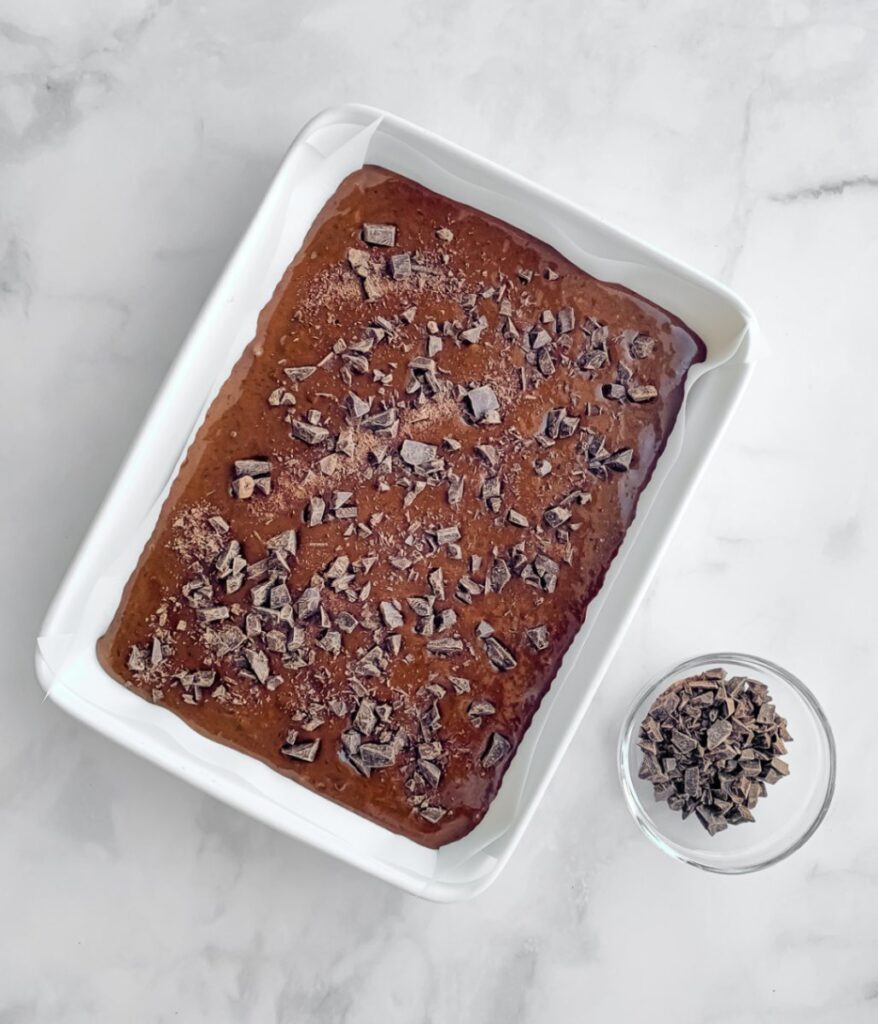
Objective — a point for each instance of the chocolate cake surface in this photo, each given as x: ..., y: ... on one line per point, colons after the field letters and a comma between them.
x: 389, y: 528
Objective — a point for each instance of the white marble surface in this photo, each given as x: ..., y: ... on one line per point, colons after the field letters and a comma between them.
x: 136, y: 138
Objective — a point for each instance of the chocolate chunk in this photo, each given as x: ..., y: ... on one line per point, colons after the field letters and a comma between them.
x: 444, y: 234
x: 641, y: 347
x: 498, y: 749
x: 718, y: 733
x: 308, y: 603
x: 542, y: 467
x: 480, y: 709
x: 391, y: 615
x: 516, y: 518
x: 642, y: 393
x: 216, y: 614
x: 538, y: 637
x: 416, y: 453
x: 299, y: 373
x: 306, y: 751
x: 309, y: 432
x: 566, y: 320
x: 445, y: 620
x: 400, y: 265
x: 243, y: 487
x: 258, y: 662
x: 595, y: 359
x: 445, y: 646
x: 499, y: 575
x: 421, y: 606
x: 616, y: 392
x: 556, y: 516
x: 472, y: 335
x: 284, y: 542
x: 447, y: 535
x: 315, y: 511
x: 252, y: 467
x: 136, y: 660
x: 366, y: 720
x: 379, y: 234
x: 620, y: 461
x: 500, y: 657
x: 378, y: 755
x: 432, y: 813
x: 482, y: 402
x: 383, y: 420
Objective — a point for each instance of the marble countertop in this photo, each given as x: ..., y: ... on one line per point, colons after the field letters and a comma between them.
x: 136, y: 138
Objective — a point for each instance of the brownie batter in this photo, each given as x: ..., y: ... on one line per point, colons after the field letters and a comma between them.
x: 390, y: 526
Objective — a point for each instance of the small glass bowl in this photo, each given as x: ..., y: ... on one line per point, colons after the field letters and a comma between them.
x: 785, y: 819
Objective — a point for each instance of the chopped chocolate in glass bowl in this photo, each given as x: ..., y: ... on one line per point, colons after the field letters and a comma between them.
x: 389, y: 528
x: 712, y: 745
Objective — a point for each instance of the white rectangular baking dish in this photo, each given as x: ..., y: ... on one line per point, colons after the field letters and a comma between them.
x: 329, y: 147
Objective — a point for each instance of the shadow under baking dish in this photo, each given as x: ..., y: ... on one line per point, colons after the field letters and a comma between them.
x: 785, y: 819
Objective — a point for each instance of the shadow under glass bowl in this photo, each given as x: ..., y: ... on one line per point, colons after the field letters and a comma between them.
x: 784, y: 820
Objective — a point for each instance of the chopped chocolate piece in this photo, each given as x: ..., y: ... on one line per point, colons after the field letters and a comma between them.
x: 379, y: 234
x: 613, y: 391
x: 566, y: 320
x: 436, y: 581
x: 136, y: 660
x: 244, y: 487
x: 314, y: 512
x: 499, y: 575
x: 306, y: 751
x: 308, y: 432
x: 308, y: 603
x: 556, y: 516
x: 284, y: 542
x: 421, y: 606
x: 252, y: 467
x: 620, y: 460
x: 471, y: 335
x: 482, y: 401
x: 641, y: 347
x: 497, y: 749
x: 500, y: 657
x: 383, y: 420
x: 542, y: 467
x: 444, y: 234
x: 538, y: 637
x: 391, y: 615
x: 447, y: 535
x: 416, y: 453
x: 258, y: 662
x: 216, y: 614
x: 642, y: 393
x: 299, y: 373
x: 400, y: 266
x: 378, y: 755
x: 516, y: 518
x: 445, y: 646
x: 432, y: 813
x: 366, y: 720
x: 480, y: 709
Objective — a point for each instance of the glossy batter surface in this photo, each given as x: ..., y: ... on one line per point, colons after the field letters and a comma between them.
x: 389, y: 528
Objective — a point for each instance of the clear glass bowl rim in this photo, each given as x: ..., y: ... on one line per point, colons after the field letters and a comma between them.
x: 754, y: 664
